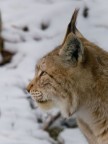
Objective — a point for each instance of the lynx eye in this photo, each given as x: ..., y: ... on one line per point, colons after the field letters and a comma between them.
x: 43, y: 73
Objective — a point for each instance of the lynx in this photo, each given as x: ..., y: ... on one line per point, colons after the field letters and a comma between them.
x: 74, y: 78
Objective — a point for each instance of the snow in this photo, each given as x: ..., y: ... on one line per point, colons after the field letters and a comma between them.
x: 72, y: 136
x: 18, y: 121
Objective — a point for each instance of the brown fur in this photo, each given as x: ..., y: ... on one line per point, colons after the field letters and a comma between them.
x: 5, y: 54
x: 1, y: 39
x: 74, y: 77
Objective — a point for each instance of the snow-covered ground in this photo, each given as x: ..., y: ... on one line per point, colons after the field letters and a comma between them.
x: 18, y: 121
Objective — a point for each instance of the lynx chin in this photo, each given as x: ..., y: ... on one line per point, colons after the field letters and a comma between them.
x: 74, y: 78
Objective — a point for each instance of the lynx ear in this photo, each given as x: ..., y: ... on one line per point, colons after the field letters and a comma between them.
x: 72, y: 50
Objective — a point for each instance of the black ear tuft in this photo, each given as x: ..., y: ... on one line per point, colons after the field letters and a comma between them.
x: 73, y: 21
x: 72, y: 25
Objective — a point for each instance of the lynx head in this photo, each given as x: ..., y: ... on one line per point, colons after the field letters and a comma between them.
x: 57, y: 73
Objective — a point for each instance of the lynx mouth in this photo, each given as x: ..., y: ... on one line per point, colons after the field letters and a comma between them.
x: 40, y: 99
x: 43, y: 101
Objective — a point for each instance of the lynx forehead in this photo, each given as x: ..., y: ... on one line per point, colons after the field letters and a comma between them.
x: 74, y: 78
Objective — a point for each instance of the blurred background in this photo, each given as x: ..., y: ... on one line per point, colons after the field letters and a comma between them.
x: 28, y: 30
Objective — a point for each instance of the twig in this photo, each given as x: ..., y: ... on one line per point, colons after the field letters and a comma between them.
x: 51, y: 120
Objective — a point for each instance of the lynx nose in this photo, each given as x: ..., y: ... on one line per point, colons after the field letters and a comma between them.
x: 29, y: 87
